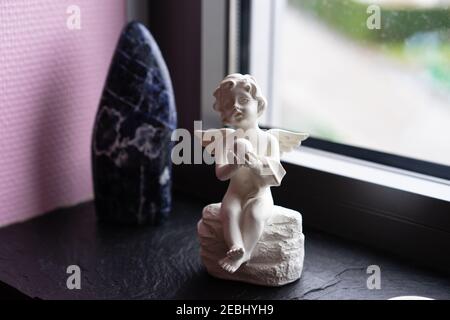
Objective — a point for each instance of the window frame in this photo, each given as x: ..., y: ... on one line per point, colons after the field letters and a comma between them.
x: 388, y: 159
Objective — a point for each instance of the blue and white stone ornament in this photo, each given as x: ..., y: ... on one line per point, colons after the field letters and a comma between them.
x: 131, y: 143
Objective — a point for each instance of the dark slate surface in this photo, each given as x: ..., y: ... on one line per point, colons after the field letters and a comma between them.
x: 131, y: 142
x: 163, y: 262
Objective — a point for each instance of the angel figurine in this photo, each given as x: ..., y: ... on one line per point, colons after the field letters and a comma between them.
x: 250, y: 158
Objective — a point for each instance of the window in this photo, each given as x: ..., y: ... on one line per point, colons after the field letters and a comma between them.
x: 398, y: 211
x: 370, y: 79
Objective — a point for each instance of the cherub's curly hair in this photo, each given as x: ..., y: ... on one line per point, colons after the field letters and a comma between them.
x: 249, y: 84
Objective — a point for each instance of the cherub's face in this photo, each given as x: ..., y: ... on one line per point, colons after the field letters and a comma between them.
x: 240, y: 110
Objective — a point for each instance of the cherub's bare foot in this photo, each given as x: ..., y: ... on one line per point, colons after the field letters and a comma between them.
x: 232, y: 264
x: 235, y: 252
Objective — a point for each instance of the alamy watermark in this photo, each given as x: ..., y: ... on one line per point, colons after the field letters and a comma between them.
x: 373, y: 22
x: 224, y: 146
x: 74, y: 280
x: 374, y: 280
x: 73, y: 21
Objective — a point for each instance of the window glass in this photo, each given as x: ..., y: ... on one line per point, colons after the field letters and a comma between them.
x: 372, y: 74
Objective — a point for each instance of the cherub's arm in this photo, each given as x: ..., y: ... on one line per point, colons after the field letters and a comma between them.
x: 268, y: 167
x: 257, y: 162
x: 212, y: 140
x: 285, y: 141
x: 274, y: 153
x: 226, y: 171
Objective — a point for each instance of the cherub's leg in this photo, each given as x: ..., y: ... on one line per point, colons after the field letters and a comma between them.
x: 230, y: 213
x: 254, y: 218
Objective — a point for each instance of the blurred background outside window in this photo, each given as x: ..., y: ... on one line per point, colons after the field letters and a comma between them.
x: 385, y: 89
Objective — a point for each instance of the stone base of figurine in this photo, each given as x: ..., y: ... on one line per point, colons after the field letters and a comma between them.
x: 278, y: 256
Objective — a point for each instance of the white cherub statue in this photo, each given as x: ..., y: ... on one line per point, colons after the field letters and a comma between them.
x: 250, y: 158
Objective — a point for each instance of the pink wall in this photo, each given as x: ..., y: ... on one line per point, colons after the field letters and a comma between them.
x: 51, y: 80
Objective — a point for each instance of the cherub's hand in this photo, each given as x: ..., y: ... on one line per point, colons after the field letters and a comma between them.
x: 252, y: 161
x: 233, y: 159
x: 241, y: 148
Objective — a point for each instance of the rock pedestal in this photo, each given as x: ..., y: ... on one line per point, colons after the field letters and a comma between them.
x: 278, y: 256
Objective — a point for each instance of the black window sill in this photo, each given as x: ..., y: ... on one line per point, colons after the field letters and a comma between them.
x: 164, y: 263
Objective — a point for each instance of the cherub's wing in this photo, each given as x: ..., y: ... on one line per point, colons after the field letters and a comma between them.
x: 209, y: 137
x: 288, y: 140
